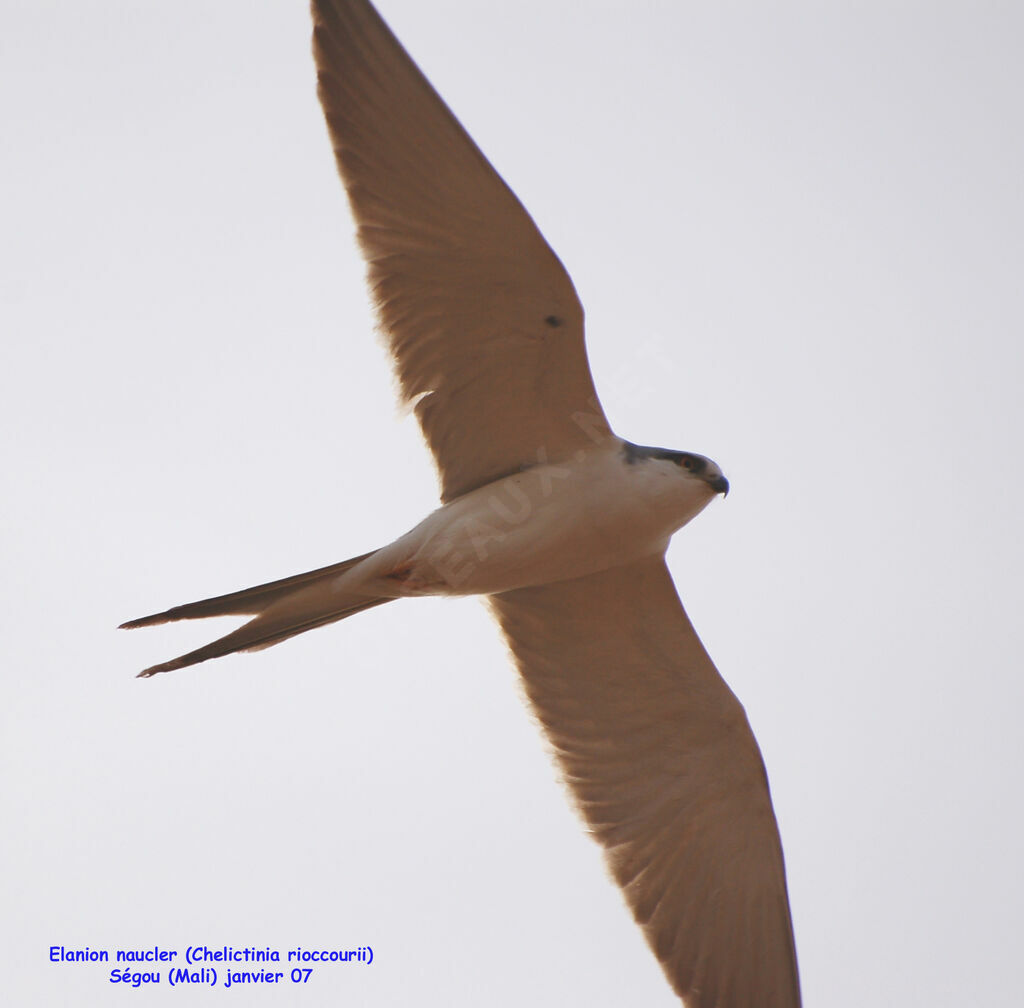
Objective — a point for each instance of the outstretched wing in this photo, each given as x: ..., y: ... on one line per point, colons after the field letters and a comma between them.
x: 665, y: 770
x: 481, y: 317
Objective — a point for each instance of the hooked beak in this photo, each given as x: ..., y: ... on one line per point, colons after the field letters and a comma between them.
x: 720, y: 485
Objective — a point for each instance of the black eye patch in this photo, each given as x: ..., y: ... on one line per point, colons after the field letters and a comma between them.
x: 687, y: 460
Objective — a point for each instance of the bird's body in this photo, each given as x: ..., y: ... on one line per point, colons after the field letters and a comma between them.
x: 559, y: 522
x: 549, y: 522
x: 607, y: 506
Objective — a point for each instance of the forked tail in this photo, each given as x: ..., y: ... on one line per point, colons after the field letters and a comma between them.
x: 282, y: 609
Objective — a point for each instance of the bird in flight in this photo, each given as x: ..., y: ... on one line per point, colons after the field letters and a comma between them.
x: 559, y: 522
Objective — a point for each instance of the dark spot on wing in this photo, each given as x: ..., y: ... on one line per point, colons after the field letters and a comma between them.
x: 554, y: 321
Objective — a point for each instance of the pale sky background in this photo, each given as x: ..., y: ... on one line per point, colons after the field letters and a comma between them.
x: 797, y: 231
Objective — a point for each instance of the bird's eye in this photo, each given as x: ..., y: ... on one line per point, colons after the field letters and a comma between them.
x: 687, y: 463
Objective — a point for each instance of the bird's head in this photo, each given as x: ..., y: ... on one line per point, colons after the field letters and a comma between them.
x: 691, y: 467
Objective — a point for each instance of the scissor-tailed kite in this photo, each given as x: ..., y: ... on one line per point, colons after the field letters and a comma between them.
x: 562, y: 524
